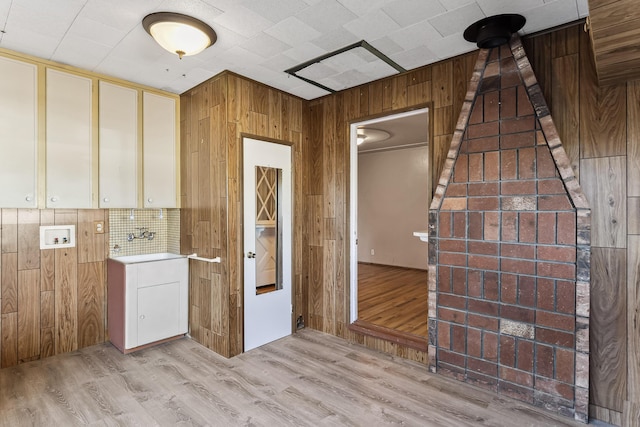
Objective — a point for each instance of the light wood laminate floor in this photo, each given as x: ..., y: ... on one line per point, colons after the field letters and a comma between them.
x: 307, y: 379
x: 393, y: 297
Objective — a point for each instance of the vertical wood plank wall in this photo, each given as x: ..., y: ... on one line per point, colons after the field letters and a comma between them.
x: 601, y: 133
x: 51, y: 301
x: 441, y: 88
x: 214, y: 116
x: 599, y: 128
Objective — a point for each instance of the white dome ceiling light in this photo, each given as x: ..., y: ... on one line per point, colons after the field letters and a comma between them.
x: 179, y: 34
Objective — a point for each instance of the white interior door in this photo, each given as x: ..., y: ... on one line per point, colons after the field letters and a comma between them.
x: 267, y: 242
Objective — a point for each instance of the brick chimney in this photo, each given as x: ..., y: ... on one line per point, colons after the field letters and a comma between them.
x: 509, y: 246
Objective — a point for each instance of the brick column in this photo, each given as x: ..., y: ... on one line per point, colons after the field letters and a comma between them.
x: 509, y: 246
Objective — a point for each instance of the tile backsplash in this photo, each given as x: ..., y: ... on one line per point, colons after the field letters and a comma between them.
x: 165, y: 223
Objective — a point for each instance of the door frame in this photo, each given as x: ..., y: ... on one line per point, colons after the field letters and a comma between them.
x: 353, y: 192
x: 242, y: 137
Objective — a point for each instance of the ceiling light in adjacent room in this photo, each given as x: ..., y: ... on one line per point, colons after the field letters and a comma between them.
x: 371, y: 135
x: 179, y: 34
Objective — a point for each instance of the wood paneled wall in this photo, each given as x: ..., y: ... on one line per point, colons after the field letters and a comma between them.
x: 440, y: 87
x: 214, y: 117
x: 51, y: 301
x: 600, y: 129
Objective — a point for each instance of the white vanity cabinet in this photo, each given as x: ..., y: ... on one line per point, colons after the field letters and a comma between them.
x: 118, y: 133
x: 18, y: 134
x: 69, y: 140
x: 160, y: 152
x: 148, y: 299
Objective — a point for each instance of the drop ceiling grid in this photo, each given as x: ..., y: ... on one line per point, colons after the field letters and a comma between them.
x: 257, y: 38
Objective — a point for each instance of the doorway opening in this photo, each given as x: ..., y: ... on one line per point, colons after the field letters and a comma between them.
x: 389, y: 201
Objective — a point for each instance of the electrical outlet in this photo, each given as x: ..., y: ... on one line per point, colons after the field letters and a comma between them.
x: 373, y: 252
x: 98, y: 227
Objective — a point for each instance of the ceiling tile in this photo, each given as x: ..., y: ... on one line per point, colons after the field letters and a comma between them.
x: 307, y: 91
x: 457, y: 20
x: 282, y: 81
x: 79, y: 50
x: 348, y: 79
x: 304, y: 52
x: 415, y: 35
x: 317, y: 71
x: 549, y: 15
x: 280, y: 62
x: 4, y: 12
x: 362, y: 7
x: 97, y: 32
x: 265, y: 45
x: 26, y: 19
x: 138, y: 46
x: 120, y: 14
x: 226, y: 38
x: 583, y: 8
x: 196, y: 8
x: 372, y: 25
x: 261, y: 38
x: 455, y: 4
x: 29, y: 42
x: 336, y: 39
x: 386, y: 46
x: 239, y: 57
x: 377, y: 69
x: 413, y: 58
x: 223, y: 5
x: 450, y: 46
x: 408, y: 12
x: 292, y: 31
x: 60, y: 10
x: 496, y: 7
x: 259, y: 73
x: 326, y: 16
x: 275, y: 10
x: 243, y: 21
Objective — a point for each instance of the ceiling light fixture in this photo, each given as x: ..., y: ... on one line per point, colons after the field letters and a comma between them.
x: 371, y: 135
x: 179, y: 34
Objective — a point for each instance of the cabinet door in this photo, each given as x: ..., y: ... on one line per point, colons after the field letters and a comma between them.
x: 69, y: 151
x: 118, y: 146
x: 159, y: 309
x: 159, y: 151
x: 18, y: 134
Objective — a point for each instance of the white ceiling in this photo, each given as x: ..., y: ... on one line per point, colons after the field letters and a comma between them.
x: 258, y: 39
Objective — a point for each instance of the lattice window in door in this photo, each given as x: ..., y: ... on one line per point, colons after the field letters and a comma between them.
x: 266, y: 187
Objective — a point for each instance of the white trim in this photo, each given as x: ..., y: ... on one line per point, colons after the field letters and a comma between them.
x: 353, y: 203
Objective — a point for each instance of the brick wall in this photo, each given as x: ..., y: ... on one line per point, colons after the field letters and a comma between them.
x: 509, y: 246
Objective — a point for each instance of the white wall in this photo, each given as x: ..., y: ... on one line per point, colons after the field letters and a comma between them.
x: 392, y: 204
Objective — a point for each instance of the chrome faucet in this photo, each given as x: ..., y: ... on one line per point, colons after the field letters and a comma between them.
x: 143, y: 233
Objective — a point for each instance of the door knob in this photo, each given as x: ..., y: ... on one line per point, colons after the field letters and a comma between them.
x: 251, y: 255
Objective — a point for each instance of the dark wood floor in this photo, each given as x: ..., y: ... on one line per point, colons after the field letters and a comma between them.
x: 307, y: 379
x: 393, y: 297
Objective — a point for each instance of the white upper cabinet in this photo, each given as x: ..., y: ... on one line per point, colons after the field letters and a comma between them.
x: 159, y: 151
x: 18, y: 134
x: 118, y: 136
x: 69, y: 140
